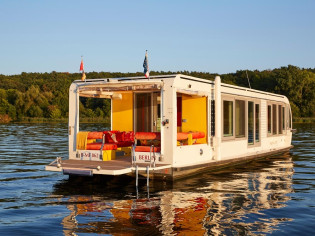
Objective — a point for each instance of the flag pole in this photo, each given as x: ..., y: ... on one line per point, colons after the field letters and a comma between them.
x: 146, y: 54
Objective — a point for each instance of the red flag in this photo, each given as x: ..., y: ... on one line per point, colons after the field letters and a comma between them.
x: 81, y: 65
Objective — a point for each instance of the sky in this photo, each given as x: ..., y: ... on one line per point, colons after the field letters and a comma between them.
x: 216, y: 36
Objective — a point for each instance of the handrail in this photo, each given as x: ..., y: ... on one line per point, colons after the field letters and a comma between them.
x: 103, y: 142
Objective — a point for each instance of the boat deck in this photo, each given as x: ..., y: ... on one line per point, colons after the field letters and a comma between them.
x: 118, y: 164
x: 121, y: 165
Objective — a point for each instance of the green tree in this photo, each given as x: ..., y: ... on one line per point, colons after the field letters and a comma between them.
x: 54, y: 112
x: 35, y: 111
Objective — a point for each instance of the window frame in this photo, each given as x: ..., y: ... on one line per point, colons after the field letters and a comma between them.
x: 281, y: 118
x: 245, y: 118
x: 288, y: 117
x: 255, y: 143
x: 274, y: 119
x: 228, y: 99
x: 233, y: 100
x: 269, y: 133
x: 259, y: 124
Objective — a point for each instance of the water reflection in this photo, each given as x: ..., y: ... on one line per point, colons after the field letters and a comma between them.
x: 244, y: 200
x: 256, y: 198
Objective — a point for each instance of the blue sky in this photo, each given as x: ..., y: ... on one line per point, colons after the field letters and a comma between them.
x: 219, y: 36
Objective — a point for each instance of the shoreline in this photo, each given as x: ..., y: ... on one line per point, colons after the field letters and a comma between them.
x: 34, y: 120
x: 297, y: 120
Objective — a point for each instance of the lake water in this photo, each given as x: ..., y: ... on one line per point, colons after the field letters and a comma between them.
x: 273, y: 196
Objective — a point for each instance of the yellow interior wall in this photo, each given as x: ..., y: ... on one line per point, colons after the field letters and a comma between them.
x: 122, y: 112
x: 194, y: 110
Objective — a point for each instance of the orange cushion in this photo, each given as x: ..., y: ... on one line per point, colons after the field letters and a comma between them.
x: 147, y: 149
x: 97, y: 146
x: 182, y: 136
x: 95, y: 135
x: 148, y: 135
x: 196, y: 135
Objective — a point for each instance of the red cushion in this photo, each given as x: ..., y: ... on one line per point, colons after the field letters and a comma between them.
x: 148, y: 135
x: 147, y: 149
x: 108, y: 137
x: 129, y: 136
x: 124, y: 144
x: 97, y: 146
x: 95, y: 135
x: 120, y: 136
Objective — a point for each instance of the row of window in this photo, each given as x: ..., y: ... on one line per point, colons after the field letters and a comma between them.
x: 279, y: 119
x: 247, y: 118
x: 241, y: 119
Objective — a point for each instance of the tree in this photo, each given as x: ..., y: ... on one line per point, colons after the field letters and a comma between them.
x: 46, y: 94
x: 35, y: 111
x: 54, y: 112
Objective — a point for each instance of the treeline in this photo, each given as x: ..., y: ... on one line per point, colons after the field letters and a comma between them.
x: 45, y: 95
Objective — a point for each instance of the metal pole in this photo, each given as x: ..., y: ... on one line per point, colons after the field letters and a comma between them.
x: 248, y: 79
x: 154, y: 158
x: 137, y: 176
x: 133, y: 155
x: 150, y: 154
x: 148, y: 176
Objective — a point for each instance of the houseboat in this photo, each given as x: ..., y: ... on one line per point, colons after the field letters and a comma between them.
x: 169, y: 127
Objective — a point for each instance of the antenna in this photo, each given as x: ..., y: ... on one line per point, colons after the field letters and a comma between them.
x: 248, y: 80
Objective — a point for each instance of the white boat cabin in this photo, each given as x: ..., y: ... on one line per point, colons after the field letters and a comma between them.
x: 173, y: 126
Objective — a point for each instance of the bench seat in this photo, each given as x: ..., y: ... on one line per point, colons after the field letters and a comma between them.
x: 147, y: 149
x: 97, y: 146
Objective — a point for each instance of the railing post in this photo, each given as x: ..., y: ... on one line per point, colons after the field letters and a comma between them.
x: 148, y: 176
x: 137, y: 176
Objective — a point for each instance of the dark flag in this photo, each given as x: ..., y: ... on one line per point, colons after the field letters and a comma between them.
x: 146, y: 65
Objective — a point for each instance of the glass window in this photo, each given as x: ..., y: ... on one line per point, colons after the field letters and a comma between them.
x: 156, y: 112
x: 239, y: 118
x: 279, y: 119
x: 250, y: 122
x: 269, y: 119
x: 283, y: 118
x: 290, y: 115
x: 257, y: 123
x: 212, y: 118
x: 274, y: 119
x: 227, y: 118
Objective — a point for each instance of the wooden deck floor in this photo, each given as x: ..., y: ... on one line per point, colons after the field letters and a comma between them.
x: 118, y: 164
x: 121, y: 165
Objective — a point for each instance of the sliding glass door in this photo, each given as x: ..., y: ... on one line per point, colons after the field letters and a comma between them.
x: 147, y: 112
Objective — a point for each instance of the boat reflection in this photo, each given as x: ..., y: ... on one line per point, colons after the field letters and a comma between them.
x: 244, y: 202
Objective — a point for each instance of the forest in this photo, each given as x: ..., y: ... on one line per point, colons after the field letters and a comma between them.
x: 45, y: 95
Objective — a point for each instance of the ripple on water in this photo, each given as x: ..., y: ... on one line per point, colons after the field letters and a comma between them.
x: 271, y: 196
